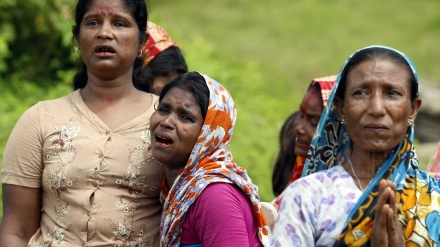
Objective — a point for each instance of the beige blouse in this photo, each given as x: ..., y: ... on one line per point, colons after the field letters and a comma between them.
x: 100, y: 187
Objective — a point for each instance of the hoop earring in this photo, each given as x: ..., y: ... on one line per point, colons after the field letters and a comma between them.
x: 410, y: 122
x: 140, y: 53
x: 77, y: 50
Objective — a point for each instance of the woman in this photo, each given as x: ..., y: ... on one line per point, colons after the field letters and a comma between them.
x: 364, y: 186
x: 297, y: 133
x: 212, y: 201
x: 75, y: 170
x: 163, y: 60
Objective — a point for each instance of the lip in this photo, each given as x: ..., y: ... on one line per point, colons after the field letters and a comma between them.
x: 160, y: 144
x: 301, y: 143
x: 376, y: 127
x: 105, y: 50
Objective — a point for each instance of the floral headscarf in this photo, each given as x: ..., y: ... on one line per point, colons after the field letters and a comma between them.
x: 209, y: 162
x: 417, y: 194
x: 158, y: 41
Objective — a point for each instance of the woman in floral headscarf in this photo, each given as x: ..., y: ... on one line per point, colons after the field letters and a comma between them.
x: 163, y: 60
x: 364, y: 186
x: 212, y: 202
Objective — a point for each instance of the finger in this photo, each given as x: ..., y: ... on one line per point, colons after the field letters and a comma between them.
x: 379, y: 235
x: 383, y: 197
x: 392, y: 200
x: 395, y: 234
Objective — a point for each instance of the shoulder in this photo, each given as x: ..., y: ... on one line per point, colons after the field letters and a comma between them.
x: 322, y: 178
x: 221, y: 192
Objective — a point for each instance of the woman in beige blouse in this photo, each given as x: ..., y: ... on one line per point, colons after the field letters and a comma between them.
x: 75, y: 169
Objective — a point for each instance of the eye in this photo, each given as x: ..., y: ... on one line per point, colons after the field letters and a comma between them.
x: 120, y: 24
x: 186, y: 118
x: 162, y: 110
x: 92, y: 23
x: 360, y: 92
x: 314, y: 122
x: 393, y: 92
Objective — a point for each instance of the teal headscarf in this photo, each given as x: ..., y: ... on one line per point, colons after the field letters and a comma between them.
x: 417, y: 193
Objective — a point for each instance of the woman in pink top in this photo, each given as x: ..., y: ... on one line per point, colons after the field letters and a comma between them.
x: 211, y: 200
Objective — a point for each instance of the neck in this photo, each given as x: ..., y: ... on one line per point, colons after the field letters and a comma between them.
x: 171, y: 175
x: 366, y: 164
x: 107, y: 90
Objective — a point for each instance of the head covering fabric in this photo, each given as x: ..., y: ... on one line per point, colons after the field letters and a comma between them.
x: 417, y: 193
x: 158, y: 41
x: 209, y: 162
x: 434, y: 163
x: 326, y: 84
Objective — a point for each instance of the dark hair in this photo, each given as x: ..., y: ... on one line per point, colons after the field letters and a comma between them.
x: 138, y: 10
x: 282, y: 170
x: 168, y: 61
x: 194, y: 83
x: 372, y: 53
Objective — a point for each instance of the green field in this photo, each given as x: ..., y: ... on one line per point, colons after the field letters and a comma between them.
x: 264, y: 52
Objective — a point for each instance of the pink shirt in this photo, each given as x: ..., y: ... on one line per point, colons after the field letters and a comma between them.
x: 221, y: 216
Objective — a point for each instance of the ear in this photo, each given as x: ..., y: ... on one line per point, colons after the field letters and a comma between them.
x: 147, y: 35
x: 75, y: 37
x: 339, y: 103
x: 415, y: 107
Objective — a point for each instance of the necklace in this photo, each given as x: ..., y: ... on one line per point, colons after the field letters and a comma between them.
x: 352, y: 169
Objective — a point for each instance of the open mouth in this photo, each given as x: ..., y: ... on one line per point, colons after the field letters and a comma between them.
x: 163, y: 141
x: 104, y: 50
x: 300, y: 141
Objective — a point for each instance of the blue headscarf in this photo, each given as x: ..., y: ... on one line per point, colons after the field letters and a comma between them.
x: 331, y: 146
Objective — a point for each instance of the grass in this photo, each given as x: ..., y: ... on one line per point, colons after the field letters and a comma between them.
x: 266, y: 52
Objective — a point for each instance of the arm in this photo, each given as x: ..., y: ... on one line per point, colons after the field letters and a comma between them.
x: 21, y: 179
x: 21, y: 215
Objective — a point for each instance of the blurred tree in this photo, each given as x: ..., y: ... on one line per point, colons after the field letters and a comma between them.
x: 35, y: 41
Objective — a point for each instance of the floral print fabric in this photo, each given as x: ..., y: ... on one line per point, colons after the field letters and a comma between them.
x: 99, y: 186
x: 209, y: 162
x: 314, y: 209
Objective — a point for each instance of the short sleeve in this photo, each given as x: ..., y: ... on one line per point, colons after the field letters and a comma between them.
x: 22, y: 159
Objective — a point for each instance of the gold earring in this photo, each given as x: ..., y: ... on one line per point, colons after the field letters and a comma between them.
x: 410, y: 122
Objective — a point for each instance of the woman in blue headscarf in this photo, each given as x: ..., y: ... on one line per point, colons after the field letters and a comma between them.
x: 364, y: 186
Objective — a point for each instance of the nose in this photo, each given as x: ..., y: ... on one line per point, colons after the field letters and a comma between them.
x: 168, y: 122
x: 299, y: 125
x: 377, y: 105
x: 105, y: 31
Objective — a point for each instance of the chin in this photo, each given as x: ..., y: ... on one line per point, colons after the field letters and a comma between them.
x: 301, y: 152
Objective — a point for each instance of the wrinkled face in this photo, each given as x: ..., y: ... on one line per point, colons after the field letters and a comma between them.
x: 377, y: 104
x: 108, y: 39
x: 159, y: 82
x: 175, y: 127
x: 306, y: 122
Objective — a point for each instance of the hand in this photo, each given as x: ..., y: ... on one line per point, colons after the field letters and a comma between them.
x: 387, y: 230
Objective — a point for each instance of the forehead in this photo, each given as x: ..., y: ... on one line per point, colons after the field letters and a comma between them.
x: 105, y: 7
x: 179, y: 96
x: 312, y: 101
x: 379, y: 70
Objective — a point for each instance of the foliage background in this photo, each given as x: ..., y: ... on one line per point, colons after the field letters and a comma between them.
x: 264, y: 52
